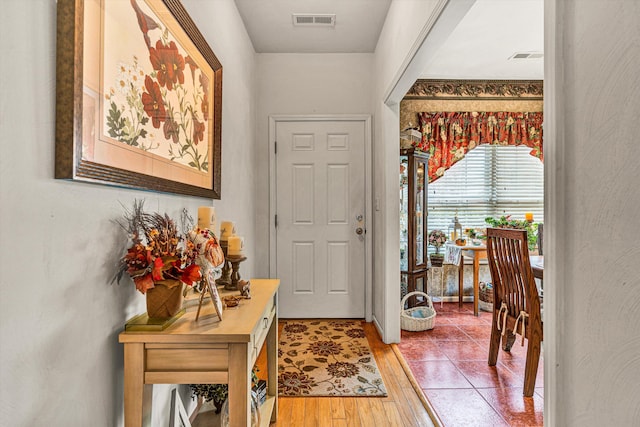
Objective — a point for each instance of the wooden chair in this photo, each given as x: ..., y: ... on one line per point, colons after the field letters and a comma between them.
x: 516, y: 308
x: 540, y: 238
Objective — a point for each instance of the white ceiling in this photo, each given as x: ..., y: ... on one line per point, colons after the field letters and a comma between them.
x: 489, y: 34
x: 270, y: 25
x: 479, y: 47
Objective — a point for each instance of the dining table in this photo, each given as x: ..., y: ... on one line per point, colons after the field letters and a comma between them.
x: 537, y: 265
x: 478, y: 252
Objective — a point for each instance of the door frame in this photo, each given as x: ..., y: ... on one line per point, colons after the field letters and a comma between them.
x: 446, y: 15
x: 554, y: 181
x: 366, y: 121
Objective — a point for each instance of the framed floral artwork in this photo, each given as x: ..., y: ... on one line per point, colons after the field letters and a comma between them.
x: 139, y: 97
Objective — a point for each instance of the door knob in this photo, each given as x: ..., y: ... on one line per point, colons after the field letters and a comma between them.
x: 359, y: 231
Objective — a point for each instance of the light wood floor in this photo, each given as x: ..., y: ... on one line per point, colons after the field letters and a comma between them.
x: 402, y: 406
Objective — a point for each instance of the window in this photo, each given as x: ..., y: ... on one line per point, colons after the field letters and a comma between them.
x: 491, y: 180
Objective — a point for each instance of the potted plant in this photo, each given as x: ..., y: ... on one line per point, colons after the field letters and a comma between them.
x: 217, y: 393
x: 507, y: 222
x: 437, y: 238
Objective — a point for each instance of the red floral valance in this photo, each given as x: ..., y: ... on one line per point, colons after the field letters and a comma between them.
x: 448, y: 136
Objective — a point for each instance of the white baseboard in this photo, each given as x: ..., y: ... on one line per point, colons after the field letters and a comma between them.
x: 378, y: 326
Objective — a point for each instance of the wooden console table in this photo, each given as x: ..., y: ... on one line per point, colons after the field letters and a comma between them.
x: 207, y: 352
x: 476, y: 253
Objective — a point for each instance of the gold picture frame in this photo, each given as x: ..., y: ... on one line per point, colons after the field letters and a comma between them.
x: 138, y: 97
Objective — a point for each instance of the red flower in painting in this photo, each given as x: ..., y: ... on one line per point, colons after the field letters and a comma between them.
x: 169, y: 64
x: 192, y: 65
x: 198, y: 131
x: 171, y: 130
x: 205, y: 106
x: 204, y: 83
x: 153, y: 102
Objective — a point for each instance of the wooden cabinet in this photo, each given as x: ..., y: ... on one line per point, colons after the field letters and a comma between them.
x: 207, y: 351
x: 413, y: 222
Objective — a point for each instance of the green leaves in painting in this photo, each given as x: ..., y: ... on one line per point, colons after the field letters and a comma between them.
x: 122, y: 129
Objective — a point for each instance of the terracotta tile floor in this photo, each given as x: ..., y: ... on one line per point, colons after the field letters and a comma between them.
x: 450, y: 364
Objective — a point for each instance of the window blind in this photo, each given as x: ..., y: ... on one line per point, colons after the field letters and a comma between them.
x: 491, y: 180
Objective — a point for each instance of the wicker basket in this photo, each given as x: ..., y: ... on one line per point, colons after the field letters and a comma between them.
x: 485, y: 300
x: 414, y: 324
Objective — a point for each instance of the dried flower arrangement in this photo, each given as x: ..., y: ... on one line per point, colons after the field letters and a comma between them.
x: 155, y: 256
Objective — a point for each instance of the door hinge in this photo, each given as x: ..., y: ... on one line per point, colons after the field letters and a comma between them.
x: 276, y: 220
x: 275, y: 147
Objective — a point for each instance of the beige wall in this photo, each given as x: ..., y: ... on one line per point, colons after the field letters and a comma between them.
x: 592, y: 289
x: 60, y: 360
x: 403, y: 25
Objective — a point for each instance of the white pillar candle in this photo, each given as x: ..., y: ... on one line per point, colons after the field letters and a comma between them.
x: 235, y: 245
x: 227, y: 228
x: 207, y: 218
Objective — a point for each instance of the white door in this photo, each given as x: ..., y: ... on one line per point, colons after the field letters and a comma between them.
x: 320, y: 207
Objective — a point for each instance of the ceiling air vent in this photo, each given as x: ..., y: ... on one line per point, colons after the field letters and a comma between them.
x: 307, y: 19
x: 527, y: 55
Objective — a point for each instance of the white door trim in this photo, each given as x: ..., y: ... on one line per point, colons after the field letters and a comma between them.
x: 554, y: 210
x: 366, y: 120
x: 554, y: 188
x: 446, y: 15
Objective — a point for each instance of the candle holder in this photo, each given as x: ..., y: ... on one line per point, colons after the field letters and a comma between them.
x: 235, y: 261
x: 225, y: 278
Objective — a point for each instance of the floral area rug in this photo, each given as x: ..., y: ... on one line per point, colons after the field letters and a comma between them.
x: 326, y: 358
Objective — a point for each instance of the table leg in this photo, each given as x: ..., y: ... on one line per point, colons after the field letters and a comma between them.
x: 476, y: 283
x: 460, y: 280
x: 272, y: 366
x: 441, y: 285
x: 239, y: 385
x: 137, y: 394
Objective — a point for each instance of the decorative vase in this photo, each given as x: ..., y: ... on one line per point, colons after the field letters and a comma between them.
x: 436, y: 260
x: 164, y: 301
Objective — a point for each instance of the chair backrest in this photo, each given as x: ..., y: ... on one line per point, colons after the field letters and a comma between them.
x: 513, y: 281
x: 540, y: 238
